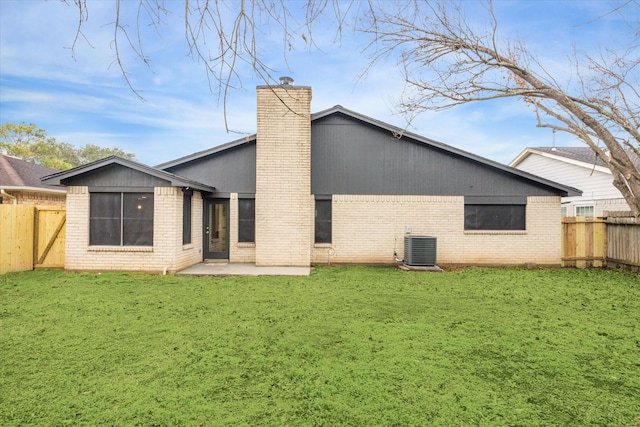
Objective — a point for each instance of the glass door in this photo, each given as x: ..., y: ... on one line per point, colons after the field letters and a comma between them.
x: 216, y: 229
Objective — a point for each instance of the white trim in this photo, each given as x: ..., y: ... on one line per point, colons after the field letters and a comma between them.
x: 103, y: 248
x: 528, y: 151
x: 34, y: 189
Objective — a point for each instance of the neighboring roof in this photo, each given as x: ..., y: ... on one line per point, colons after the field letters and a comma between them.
x: 401, y: 133
x: 581, y: 156
x: 18, y: 174
x: 175, y: 180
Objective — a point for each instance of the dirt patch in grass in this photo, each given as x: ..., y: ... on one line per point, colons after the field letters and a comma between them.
x: 345, y: 346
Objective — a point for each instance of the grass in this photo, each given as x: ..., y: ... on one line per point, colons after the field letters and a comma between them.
x: 355, y: 346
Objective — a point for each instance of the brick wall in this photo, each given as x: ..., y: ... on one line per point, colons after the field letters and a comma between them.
x: 284, y: 204
x: 187, y: 255
x: 36, y: 198
x: 167, y: 254
x: 238, y: 252
x: 367, y: 229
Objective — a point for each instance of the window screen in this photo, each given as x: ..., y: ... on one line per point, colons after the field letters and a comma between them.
x: 323, y: 221
x: 584, y: 210
x: 246, y: 220
x: 494, y: 217
x: 121, y: 219
x: 137, y: 223
x: 186, y: 218
x: 105, y: 218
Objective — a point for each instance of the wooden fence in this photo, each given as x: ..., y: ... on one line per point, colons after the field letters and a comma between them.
x: 34, y: 237
x: 612, y: 241
x: 623, y: 242
x: 31, y: 237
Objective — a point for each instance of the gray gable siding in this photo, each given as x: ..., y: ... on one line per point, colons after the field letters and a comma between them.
x: 352, y: 157
x: 229, y: 171
x: 115, y: 175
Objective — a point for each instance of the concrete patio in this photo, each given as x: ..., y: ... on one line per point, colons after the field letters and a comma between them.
x: 242, y: 269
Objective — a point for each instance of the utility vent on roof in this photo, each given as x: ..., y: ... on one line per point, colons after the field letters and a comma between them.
x: 420, y: 250
x: 286, y: 81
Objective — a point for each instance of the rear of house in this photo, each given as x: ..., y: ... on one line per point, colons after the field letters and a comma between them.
x: 335, y: 186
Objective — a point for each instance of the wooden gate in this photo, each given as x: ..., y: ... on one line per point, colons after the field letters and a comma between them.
x: 31, y: 237
x: 49, y: 234
x: 583, y: 242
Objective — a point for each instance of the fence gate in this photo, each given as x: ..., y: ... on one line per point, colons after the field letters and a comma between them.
x: 16, y: 238
x: 31, y: 237
x: 583, y: 242
x: 49, y: 237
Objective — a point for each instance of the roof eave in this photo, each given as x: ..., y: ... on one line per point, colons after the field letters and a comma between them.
x: 34, y: 189
x: 174, y: 180
x: 528, y: 151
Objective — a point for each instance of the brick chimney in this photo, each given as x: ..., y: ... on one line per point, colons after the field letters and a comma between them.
x: 284, y: 205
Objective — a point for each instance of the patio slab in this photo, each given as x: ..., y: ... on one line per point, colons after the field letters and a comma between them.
x: 242, y: 269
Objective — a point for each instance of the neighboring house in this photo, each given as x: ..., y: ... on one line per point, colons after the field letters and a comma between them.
x: 577, y: 167
x: 335, y: 186
x: 20, y: 184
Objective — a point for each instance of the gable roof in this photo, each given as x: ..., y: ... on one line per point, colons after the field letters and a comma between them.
x: 18, y: 174
x: 396, y: 131
x: 175, y: 180
x: 581, y: 156
x: 204, y: 153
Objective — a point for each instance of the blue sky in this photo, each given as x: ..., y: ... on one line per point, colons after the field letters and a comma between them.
x: 82, y: 98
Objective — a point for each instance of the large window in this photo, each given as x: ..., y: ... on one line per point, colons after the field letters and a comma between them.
x: 121, y: 219
x: 323, y: 221
x: 246, y: 220
x: 495, y: 213
x: 186, y: 216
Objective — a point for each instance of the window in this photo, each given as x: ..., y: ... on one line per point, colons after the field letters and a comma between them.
x: 186, y: 216
x: 246, y: 220
x: 121, y: 219
x: 564, y: 211
x: 323, y: 221
x: 494, y: 217
x: 584, y: 210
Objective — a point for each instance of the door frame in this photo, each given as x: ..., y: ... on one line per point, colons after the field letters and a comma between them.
x: 207, y: 229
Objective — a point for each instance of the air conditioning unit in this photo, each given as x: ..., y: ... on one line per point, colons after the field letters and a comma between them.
x: 420, y: 251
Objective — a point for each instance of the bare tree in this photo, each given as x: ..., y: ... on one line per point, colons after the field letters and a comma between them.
x: 445, y: 59
x: 225, y: 36
x: 447, y: 62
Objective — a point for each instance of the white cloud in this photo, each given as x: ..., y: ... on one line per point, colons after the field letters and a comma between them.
x: 86, y: 100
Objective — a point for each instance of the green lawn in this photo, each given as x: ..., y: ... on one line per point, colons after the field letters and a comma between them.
x: 352, y: 346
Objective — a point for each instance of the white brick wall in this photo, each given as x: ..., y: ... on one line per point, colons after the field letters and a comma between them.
x: 283, y: 177
x: 167, y: 254
x: 367, y: 229
x: 238, y: 252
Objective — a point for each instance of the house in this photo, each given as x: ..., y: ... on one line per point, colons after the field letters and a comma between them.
x: 578, y: 167
x: 20, y: 183
x: 334, y: 186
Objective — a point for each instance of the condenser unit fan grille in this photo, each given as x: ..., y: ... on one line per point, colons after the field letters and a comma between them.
x: 420, y: 251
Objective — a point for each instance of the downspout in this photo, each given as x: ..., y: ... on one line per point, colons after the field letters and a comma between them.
x: 5, y: 194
